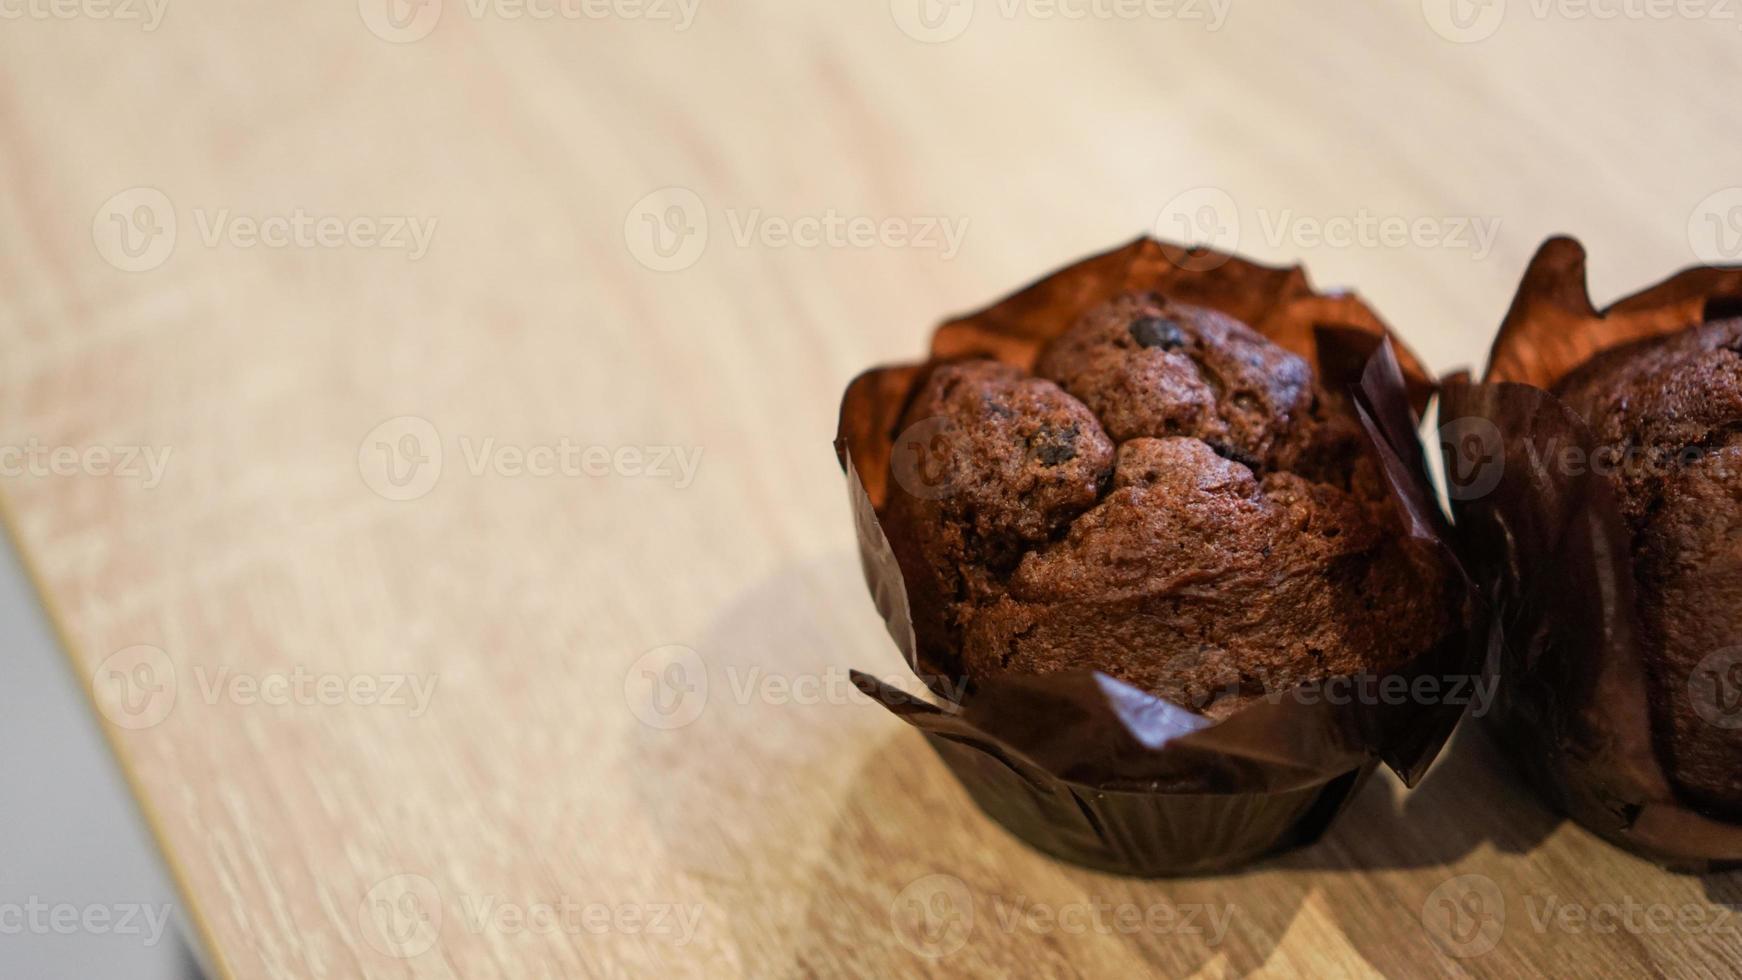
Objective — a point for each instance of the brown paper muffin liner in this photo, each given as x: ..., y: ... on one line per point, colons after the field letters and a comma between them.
x: 1548, y: 548
x: 1092, y: 770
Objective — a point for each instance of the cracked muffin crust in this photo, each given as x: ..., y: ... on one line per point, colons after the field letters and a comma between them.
x: 1668, y: 414
x: 1148, y: 367
x: 1170, y: 499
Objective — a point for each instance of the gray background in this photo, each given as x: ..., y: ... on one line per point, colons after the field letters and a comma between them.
x: 70, y: 833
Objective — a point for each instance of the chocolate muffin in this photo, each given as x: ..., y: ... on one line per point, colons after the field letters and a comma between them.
x: 1666, y: 418
x: 1170, y: 499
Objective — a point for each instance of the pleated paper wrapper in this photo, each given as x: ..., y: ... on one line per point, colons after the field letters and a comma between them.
x: 1094, y: 771
x: 1549, y: 548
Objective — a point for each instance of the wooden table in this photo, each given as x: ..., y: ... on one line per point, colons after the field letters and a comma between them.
x: 396, y: 705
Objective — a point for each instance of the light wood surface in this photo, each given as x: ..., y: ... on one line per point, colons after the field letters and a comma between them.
x: 795, y: 832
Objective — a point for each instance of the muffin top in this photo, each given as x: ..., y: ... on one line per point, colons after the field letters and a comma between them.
x: 1150, y: 368
x: 1666, y: 419
x: 1656, y: 404
x: 1171, y: 499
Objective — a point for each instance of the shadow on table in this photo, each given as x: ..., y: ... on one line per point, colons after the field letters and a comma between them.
x: 1470, y: 797
x: 816, y: 825
x: 1379, y: 866
x: 1372, y: 873
x: 1724, y: 888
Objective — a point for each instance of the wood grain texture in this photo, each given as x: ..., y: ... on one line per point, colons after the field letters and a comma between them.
x: 793, y: 826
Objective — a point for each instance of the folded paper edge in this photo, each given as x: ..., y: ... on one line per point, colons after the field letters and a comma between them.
x: 1292, y: 279
x: 1635, y: 796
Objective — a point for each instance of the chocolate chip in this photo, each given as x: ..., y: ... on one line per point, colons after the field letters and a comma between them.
x: 1156, y: 331
x: 1056, y: 446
